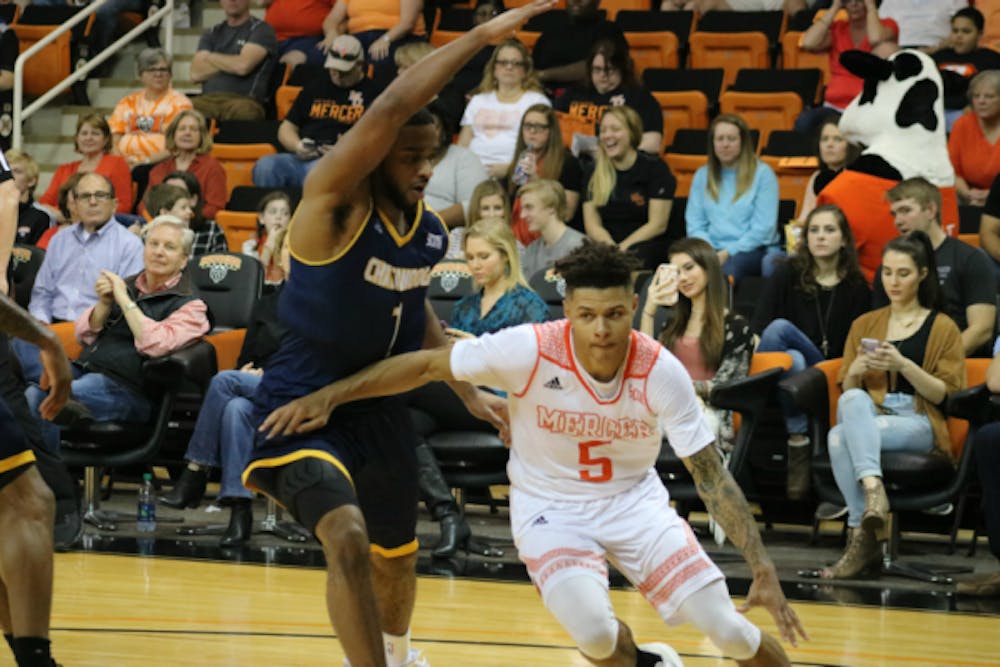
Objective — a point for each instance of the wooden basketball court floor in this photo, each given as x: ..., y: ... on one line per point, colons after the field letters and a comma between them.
x: 122, y: 610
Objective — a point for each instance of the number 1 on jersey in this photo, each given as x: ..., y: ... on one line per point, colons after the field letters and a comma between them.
x: 605, y: 473
x: 397, y: 315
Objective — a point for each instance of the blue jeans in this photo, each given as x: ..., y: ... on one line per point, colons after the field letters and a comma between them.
x: 29, y: 356
x: 283, y: 170
x: 862, y: 434
x: 223, y: 435
x: 783, y: 336
x: 107, y: 400
x: 743, y: 264
x: 106, y: 21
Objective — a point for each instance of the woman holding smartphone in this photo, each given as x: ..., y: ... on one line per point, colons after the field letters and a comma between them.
x: 713, y: 343
x: 900, y: 363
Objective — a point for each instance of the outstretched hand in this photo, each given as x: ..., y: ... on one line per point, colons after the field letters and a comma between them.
x: 302, y: 415
x: 765, y: 591
x: 503, y: 25
x: 493, y: 409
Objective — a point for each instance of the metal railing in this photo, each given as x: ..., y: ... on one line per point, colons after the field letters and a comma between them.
x: 21, y: 113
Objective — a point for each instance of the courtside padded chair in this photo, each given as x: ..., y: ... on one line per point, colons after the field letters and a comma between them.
x: 450, y: 281
x: 747, y: 398
x: 469, y: 451
x: 913, y: 481
x: 102, y: 446
x: 230, y: 284
x: 238, y: 144
x: 550, y: 286
x: 25, y: 261
x: 686, y: 97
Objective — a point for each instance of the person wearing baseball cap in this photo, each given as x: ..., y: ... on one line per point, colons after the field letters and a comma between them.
x: 326, y: 108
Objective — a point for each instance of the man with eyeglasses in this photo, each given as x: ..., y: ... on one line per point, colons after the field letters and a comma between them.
x: 560, y: 54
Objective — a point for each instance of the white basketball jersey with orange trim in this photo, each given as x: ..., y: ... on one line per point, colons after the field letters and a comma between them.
x: 573, y: 438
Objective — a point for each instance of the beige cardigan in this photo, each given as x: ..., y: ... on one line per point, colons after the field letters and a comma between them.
x: 944, y: 358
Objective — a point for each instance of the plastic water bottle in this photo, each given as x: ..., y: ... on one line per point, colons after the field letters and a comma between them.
x: 525, y: 167
x: 145, y: 511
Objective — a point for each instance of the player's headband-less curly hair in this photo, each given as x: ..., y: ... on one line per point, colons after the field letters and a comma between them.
x: 597, y: 265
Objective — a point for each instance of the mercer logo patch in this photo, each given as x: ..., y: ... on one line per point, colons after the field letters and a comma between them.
x: 553, y: 383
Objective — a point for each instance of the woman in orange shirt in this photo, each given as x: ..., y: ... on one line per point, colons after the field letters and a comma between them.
x: 93, y: 141
x: 974, y: 144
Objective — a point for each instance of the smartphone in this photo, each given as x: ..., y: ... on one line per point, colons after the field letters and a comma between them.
x: 665, y: 272
x: 869, y: 345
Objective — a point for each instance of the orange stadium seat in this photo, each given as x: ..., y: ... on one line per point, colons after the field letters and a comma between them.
x: 612, y: 7
x: 729, y: 51
x: 652, y: 49
x: 763, y: 111
x: 284, y: 98
x: 238, y: 161
x: 454, y: 22
x: 238, y: 227
x: 686, y: 97
x: 793, y: 56
x: 682, y: 109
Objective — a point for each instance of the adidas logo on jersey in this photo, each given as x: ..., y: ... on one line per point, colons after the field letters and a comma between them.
x: 540, y: 521
x: 553, y: 383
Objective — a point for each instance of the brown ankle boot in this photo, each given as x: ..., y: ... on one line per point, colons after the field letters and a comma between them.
x: 798, y: 471
x: 876, y: 516
x: 862, y: 554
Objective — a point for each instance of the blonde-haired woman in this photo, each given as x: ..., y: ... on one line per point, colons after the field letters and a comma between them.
x: 630, y: 193
x: 502, y: 298
x: 189, y: 144
x: 733, y: 203
x: 93, y: 141
x: 493, y: 115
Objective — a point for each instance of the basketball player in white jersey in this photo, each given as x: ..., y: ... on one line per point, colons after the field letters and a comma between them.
x: 588, y: 400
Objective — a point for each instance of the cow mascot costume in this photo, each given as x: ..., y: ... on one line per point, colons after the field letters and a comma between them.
x: 899, y: 119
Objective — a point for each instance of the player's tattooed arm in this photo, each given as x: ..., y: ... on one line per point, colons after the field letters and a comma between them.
x: 727, y: 505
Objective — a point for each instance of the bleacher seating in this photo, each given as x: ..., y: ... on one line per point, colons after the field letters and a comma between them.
x: 238, y: 145
x: 733, y: 40
x: 791, y: 156
x: 679, y: 23
x: 686, y: 97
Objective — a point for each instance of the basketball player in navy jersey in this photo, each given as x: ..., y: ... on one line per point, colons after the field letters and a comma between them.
x: 27, y: 506
x: 362, y: 245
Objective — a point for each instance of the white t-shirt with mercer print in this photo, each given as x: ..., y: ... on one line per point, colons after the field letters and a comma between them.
x: 573, y: 438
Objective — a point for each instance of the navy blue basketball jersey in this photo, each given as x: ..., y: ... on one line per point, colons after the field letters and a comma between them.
x: 346, y: 313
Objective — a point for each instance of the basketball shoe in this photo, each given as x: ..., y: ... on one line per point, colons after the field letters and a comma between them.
x: 668, y: 656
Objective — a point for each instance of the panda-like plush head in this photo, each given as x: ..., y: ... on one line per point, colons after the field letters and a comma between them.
x: 898, y: 117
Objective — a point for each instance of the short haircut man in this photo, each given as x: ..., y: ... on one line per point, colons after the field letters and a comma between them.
x: 966, y: 276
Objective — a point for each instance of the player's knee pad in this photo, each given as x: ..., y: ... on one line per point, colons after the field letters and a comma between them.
x: 582, y: 606
x: 313, y: 487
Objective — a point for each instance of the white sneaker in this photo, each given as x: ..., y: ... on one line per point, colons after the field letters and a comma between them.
x: 416, y: 658
x: 668, y: 656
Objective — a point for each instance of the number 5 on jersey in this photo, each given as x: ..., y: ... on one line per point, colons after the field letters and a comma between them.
x: 588, y: 461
